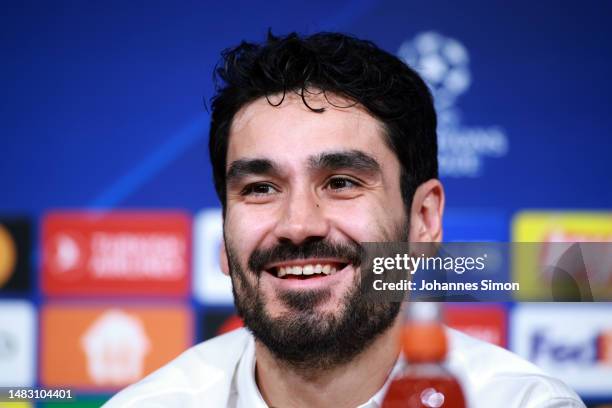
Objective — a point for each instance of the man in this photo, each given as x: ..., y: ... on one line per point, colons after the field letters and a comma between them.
x: 318, y: 144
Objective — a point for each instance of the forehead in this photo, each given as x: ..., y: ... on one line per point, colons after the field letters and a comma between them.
x: 293, y: 131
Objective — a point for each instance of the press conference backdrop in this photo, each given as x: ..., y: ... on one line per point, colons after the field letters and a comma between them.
x: 102, y: 108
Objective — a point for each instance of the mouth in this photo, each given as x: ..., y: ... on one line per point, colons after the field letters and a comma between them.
x: 306, y: 269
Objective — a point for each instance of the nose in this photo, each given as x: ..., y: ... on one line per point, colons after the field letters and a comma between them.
x: 302, y: 219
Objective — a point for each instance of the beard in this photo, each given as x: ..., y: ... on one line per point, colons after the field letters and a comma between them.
x: 304, y: 338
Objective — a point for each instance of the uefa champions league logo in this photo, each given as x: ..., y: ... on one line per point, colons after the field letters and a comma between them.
x: 443, y: 63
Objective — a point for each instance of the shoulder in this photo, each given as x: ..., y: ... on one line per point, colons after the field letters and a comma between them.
x: 490, y: 373
x: 205, y: 370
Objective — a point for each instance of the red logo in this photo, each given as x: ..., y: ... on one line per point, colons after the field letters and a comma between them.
x: 132, y: 253
x: 604, y: 347
x: 485, y: 322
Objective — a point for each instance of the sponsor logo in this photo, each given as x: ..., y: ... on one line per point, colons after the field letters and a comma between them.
x: 584, y: 226
x: 92, y: 347
x: 8, y: 255
x: 15, y: 245
x: 17, y: 343
x: 8, y: 345
x: 142, y: 253
x: 487, y: 323
x: 604, y: 347
x: 555, y: 257
x: 115, y: 346
x: 66, y: 251
x: 586, y: 352
x: 211, y: 286
x: 443, y: 63
x: 570, y: 341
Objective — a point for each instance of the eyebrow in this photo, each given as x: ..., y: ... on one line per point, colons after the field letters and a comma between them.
x: 245, y: 167
x: 350, y: 159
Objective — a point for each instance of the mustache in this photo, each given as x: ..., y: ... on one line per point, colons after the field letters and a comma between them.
x: 352, y: 252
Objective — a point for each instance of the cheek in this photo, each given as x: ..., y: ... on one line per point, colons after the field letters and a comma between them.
x: 247, y: 229
x: 372, y: 222
x: 356, y: 220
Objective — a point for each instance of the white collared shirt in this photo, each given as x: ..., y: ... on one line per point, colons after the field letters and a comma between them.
x: 220, y: 373
x: 247, y: 392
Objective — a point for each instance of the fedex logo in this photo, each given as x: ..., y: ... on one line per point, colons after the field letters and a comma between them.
x: 561, y: 350
x: 589, y: 351
x: 604, y: 347
x: 572, y: 341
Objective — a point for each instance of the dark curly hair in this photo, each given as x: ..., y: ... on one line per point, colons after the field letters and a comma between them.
x: 329, y: 62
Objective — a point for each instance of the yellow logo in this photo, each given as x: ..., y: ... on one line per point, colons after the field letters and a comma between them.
x: 540, y: 226
x: 8, y: 255
x: 543, y: 237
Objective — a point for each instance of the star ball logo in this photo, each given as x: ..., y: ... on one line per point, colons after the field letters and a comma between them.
x: 443, y: 62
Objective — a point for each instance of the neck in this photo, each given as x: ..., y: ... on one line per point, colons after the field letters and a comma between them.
x: 348, y: 385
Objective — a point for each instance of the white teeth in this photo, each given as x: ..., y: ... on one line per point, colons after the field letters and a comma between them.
x: 306, y: 270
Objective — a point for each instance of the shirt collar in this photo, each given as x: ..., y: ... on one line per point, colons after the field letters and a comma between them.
x: 250, y: 397
x: 248, y: 392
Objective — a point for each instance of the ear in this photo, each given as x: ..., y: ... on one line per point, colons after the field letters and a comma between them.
x: 426, y: 212
x: 223, y: 261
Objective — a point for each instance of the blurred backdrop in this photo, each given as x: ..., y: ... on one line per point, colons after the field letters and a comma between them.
x: 109, y: 225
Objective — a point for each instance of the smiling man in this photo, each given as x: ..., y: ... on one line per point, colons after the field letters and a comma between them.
x: 319, y: 144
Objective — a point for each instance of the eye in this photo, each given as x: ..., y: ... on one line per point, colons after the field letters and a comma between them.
x: 341, y: 183
x: 258, y: 189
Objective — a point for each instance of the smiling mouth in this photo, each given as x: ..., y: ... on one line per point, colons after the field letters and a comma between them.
x: 306, y: 271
